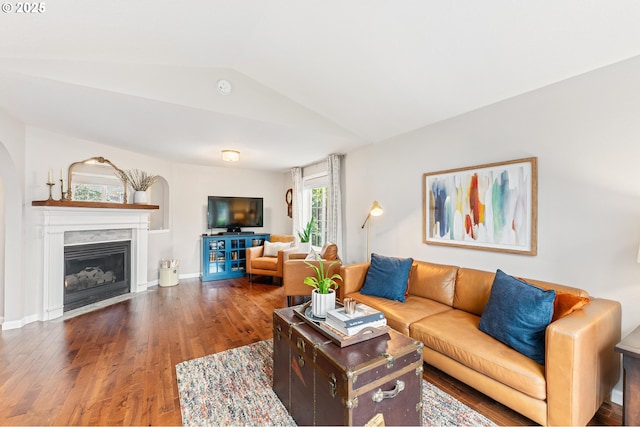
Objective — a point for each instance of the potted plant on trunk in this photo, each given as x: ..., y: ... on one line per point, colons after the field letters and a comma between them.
x: 140, y: 181
x: 323, y: 296
x: 305, y: 236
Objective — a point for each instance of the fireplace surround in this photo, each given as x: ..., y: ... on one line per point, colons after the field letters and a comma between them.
x: 57, y: 227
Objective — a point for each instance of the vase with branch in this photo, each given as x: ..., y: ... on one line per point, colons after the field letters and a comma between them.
x: 140, y: 181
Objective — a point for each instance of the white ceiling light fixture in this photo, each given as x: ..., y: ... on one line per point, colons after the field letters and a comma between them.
x: 230, y: 155
x: 224, y: 87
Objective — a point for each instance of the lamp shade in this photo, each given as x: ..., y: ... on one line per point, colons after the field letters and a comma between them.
x: 376, y: 209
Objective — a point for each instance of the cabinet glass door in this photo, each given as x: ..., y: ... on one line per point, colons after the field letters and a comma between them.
x: 238, y: 251
x: 217, y: 256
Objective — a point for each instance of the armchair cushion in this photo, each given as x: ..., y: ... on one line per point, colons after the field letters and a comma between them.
x: 329, y: 252
x: 271, y: 249
x: 265, y: 263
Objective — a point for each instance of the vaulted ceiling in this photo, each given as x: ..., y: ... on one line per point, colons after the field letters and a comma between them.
x: 308, y: 77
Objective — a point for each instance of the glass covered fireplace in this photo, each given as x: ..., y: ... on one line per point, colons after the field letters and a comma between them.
x: 94, y: 272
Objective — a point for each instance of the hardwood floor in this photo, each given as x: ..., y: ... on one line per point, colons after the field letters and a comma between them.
x: 116, y: 365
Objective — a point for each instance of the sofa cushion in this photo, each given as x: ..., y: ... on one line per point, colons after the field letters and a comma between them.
x: 566, y: 304
x: 272, y: 248
x: 473, y: 288
x: 433, y: 281
x: 400, y: 315
x: 455, y: 334
x: 517, y: 314
x: 387, y: 277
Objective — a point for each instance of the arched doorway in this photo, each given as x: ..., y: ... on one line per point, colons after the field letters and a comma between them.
x: 11, y: 243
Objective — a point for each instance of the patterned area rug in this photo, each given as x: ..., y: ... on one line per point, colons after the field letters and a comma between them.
x: 234, y: 388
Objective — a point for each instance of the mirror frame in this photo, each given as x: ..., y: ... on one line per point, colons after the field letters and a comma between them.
x: 69, y: 195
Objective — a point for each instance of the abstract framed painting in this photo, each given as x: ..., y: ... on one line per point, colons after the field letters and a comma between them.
x: 490, y: 207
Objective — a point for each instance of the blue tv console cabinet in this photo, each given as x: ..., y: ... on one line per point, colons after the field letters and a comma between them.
x: 224, y: 256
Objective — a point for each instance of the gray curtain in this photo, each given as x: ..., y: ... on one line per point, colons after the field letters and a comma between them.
x: 334, y: 201
x: 296, y: 175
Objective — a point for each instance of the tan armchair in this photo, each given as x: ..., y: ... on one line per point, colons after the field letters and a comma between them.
x: 295, y: 270
x: 258, y: 263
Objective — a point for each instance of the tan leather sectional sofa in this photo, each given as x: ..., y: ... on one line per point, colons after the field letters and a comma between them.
x: 442, y: 309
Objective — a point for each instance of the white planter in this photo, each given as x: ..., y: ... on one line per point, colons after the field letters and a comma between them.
x: 140, y: 197
x: 321, y: 303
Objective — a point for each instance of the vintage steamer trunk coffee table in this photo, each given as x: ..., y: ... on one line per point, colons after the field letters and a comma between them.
x: 375, y: 382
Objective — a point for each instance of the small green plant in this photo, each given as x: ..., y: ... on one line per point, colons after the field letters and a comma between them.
x: 322, y: 282
x: 305, y: 235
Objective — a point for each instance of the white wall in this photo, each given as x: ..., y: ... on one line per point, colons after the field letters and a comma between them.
x: 12, y: 135
x: 2, y: 248
x: 193, y: 184
x: 584, y: 132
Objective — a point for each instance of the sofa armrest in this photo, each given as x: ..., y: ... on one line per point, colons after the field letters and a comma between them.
x: 352, y: 278
x: 581, y: 364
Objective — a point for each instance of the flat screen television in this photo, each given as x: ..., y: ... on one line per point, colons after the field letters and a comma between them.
x: 233, y: 213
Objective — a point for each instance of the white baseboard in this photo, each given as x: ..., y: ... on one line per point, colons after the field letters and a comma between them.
x: 189, y: 276
x: 17, y: 324
x: 616, y: 396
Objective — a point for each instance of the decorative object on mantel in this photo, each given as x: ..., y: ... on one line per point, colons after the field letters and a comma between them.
x: 92, y: 160
x: 140, y: 182
x: 50, y: 183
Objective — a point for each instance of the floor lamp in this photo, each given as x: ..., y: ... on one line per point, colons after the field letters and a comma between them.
x: 375, y: 210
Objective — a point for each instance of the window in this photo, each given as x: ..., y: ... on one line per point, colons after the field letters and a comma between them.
x: 319, y: 213
x: 315, y: 206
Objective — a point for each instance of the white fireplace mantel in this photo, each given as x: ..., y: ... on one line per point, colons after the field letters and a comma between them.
x: 53, y: 222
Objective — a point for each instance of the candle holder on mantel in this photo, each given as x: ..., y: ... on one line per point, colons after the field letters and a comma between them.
x: 50, y: 184
x: 62, y: 192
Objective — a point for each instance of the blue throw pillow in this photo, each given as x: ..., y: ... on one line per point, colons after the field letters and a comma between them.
x: 387, y: 277
x: 517, y: 314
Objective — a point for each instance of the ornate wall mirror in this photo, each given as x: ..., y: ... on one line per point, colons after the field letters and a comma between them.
x: 96, y: 180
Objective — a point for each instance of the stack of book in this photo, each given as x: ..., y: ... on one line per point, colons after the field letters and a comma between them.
x: 351, y: 324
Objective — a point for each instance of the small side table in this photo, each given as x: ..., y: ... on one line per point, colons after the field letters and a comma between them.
x: 630, y: 349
